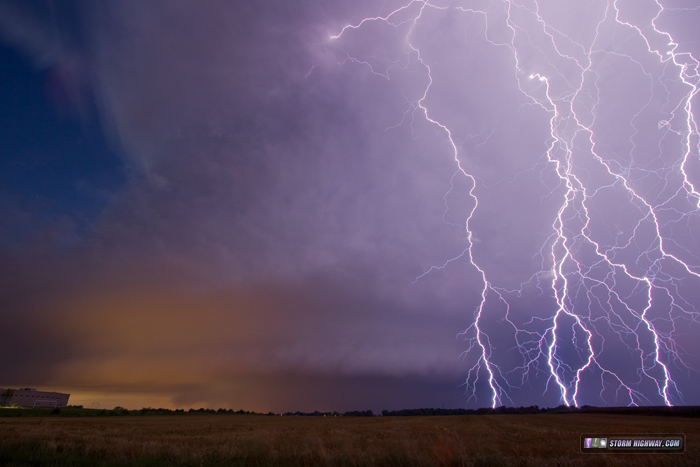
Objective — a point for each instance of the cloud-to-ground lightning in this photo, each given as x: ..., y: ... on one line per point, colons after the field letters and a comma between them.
x: 619, y: 266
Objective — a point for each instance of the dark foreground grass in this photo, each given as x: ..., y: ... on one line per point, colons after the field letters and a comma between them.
x: 249, y: 440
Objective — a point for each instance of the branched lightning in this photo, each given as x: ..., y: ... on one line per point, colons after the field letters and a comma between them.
x: 628, y: 292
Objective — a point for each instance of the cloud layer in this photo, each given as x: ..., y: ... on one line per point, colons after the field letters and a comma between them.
x: 287, y: 196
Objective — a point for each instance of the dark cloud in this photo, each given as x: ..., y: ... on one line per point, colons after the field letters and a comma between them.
x: 287, y: 194
x: 253, y: 243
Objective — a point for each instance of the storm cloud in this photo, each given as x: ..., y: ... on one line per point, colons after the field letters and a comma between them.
x: 291, y: 232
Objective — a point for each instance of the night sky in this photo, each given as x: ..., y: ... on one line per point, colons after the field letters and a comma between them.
x: 250, y: 205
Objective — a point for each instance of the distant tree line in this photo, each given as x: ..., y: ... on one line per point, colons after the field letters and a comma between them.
x: 316, y: 413
x: 483, y: 411
x: 201, y: 411
x: 79, y: 411
x: 678, y: 411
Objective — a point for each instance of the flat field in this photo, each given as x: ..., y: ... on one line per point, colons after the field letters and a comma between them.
x: 256, y: 440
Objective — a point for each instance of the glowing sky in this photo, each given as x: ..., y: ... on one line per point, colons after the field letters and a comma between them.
x: 468, y: 203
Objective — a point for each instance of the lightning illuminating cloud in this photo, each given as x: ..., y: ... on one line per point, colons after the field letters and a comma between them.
x: 620, y: 263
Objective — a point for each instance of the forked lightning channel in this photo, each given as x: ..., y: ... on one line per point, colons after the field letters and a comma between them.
x: 595, y: 289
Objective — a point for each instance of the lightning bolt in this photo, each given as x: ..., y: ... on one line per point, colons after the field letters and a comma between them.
x: 633, y: 291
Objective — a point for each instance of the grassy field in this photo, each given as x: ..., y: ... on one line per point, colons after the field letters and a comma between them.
x: 253, y: 440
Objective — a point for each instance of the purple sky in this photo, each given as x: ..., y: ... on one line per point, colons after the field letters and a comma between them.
x: 300, y: 222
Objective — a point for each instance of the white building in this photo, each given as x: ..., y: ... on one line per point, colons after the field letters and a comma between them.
x: 30, y: 397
